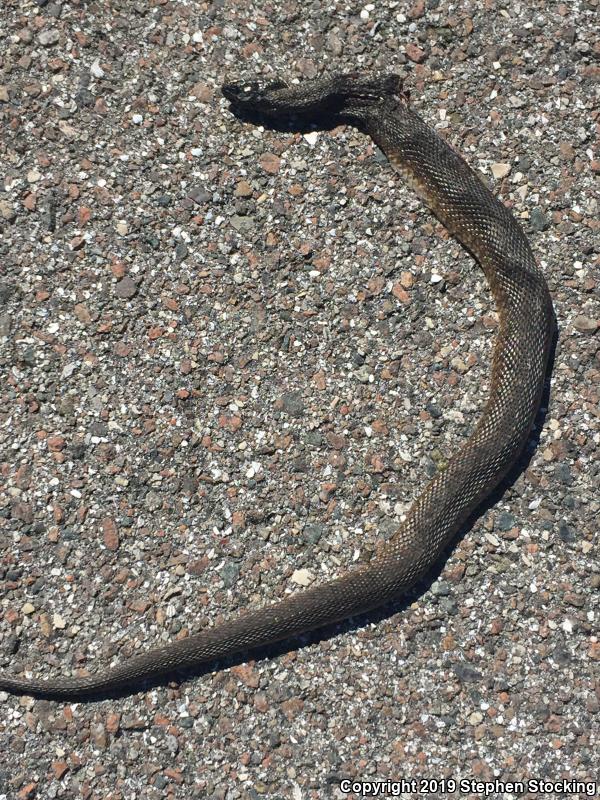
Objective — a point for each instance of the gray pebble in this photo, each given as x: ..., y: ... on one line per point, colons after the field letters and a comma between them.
x: 49, y: 37
x: 126, y: 288
x: 539, y: 221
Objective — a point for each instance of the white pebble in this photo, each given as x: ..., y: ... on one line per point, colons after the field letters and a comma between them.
x: 500, y: 170
x: 96, y: 69
x: 302, y: 577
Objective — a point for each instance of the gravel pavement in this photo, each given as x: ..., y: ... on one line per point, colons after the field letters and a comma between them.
x: 231, y: 357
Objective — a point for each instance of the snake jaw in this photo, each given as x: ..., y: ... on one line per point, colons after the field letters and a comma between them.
x: 242, y: 93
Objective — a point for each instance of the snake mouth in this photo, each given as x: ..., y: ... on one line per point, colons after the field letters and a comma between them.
x: 250, y: 95
x: 237, y: 92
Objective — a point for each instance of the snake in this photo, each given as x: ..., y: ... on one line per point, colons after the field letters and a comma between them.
x: 380, y: 107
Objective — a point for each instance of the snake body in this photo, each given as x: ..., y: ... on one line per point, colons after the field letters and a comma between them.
x: 488, y: 230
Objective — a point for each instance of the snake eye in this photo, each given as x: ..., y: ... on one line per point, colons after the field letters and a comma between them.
x: 239, y: 93
x: 272, y: 86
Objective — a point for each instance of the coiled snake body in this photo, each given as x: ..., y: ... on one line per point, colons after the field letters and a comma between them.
x: 488, y: 230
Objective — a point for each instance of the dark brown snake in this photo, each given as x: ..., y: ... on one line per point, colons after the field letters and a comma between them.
x: 486, y: 228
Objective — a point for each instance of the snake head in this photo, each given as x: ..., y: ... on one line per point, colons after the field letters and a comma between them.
x: 251, y: 96
x: 341, y: 96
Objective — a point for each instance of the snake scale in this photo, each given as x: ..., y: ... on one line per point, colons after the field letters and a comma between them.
x: 486, y: 228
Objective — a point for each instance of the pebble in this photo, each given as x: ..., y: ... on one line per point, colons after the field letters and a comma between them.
x: 313, y: 533
x: 7, y: 211
x: 311, y: 138
x: 49, y: 37
x: 242, y: 224
x: 293, y: 404
x: 505, y: 521
x: 59, y: 769
x: 5, y: 324
x: 303, y: 577
x: 229, y: 573
x: 563, y: 474
x: 585, y: 324
x: 415, y: 53
x: 466, y: 673
x: 203, y: 91
x: 500, y: 170
x: 475, y: 718
x: 270, y: 163
x: 539, y: 221
x: 126, y: 288
x: 110, y: 534
x: 566, y: 532
x: 98, y: 735
x: 243, y: 189
x: 96, y: 69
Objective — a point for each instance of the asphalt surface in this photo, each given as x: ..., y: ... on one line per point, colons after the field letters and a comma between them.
x: 230, y: 358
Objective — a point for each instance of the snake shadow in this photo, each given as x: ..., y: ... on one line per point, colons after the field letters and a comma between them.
x: 377, y: 615
x: 315, y: 121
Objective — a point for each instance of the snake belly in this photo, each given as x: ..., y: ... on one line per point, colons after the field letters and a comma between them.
x: 487, y: 229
